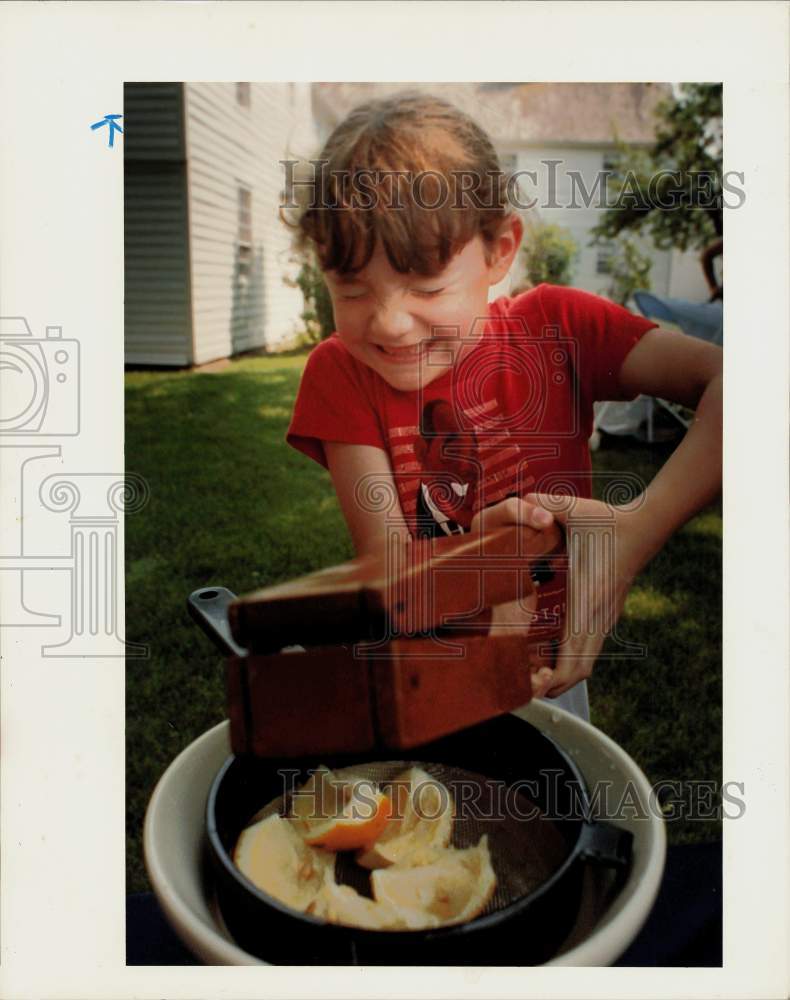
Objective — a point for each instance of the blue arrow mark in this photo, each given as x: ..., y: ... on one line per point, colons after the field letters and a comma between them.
x: 114, y: 126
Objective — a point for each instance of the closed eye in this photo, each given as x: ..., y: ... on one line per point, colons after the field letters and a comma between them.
x: 427, y: 292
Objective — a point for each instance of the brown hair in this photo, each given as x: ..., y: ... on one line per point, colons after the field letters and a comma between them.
x: 410, y: 170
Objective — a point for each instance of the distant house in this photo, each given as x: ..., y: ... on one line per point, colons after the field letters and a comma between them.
x: 207, y: 258
x: 206, y: 254
x: 565, y: 134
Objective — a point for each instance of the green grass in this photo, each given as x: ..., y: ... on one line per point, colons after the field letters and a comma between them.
x: 665, y: 709
x: 231, y: 504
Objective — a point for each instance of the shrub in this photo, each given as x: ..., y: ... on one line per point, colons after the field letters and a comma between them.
x: 550, y: 253
x: 317, y: 316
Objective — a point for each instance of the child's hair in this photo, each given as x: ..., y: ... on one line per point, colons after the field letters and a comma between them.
x: 410, y: 170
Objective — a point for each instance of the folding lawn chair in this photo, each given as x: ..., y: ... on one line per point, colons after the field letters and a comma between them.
x: 697, y: 319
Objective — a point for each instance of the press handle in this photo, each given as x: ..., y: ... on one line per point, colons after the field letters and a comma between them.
x: 208, y: 606
x: 406, y: 590
x: 606, y: 845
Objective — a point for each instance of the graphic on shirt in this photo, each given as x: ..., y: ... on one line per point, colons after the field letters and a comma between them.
x: 447, y: 487
x: 447, y: 474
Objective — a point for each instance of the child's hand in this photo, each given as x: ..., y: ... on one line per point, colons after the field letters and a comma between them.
x: 605, y: 552
x: 513, y: 511
x: 517, y: 616
x: 604, y: 555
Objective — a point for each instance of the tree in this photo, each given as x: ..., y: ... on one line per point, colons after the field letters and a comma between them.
x: 629, y: 268
x: 673, y: 190
x: 550, y: 253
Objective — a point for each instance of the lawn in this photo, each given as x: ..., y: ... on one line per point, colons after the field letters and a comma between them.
x: 232, y: 505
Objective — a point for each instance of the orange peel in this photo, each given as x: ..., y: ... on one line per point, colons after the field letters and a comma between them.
x: 421, y: 828
x: 339, y: 815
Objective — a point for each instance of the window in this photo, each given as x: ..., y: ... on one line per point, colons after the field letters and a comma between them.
x: 244, y: 237
x: 243, y: 94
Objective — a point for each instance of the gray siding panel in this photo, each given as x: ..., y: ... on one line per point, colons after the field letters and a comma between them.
x: 152, y: 121
x: 156, y: 274
x: 157, y: 309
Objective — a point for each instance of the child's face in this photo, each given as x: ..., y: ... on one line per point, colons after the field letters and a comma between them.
x: 412, y: 329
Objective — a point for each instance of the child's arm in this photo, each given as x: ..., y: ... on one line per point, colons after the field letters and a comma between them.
x: 680, y: 369
x: 688, y: 371
x: 365, y: 488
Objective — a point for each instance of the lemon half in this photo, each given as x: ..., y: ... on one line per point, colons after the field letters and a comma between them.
x: 340, y: 904
x: 421, y: 825
x: 453, y: 889
x: 277, y: 860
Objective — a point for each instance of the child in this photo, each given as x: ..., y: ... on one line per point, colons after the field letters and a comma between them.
x: 464, y: 415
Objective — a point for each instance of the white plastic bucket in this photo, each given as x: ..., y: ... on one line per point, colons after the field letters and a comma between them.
x: 173, y: 844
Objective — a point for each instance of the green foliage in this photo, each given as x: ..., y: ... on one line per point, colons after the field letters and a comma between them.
x: 317, y: 315
x: 673, y: 190
x: 629, y: 269
x: 550, y: 253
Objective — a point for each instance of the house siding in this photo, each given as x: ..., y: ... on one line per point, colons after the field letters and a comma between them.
x: 687, y: 279
x: 157, y: 315
x: 560, y: 203
x: 228, y: 145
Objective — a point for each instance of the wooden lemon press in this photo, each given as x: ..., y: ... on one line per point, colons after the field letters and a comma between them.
x: 394, y: 649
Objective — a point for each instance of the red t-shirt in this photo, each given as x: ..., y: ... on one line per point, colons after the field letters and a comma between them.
x: 513, y: 417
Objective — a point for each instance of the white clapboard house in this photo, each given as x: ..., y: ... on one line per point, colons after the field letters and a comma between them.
x: 208, y: 260
x: 206, y: 255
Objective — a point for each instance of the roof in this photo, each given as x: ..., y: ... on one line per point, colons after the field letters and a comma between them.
x: 526, y: 113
